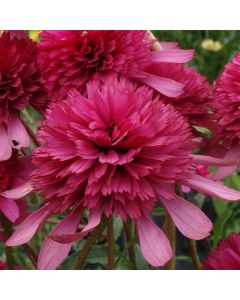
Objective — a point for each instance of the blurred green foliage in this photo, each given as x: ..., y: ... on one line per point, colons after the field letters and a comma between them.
x: 208, y: 63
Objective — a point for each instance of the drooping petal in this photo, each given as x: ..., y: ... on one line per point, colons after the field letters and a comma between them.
x: 9, y: 208
x: 17, y: 133
x: 28, y: 227
x: 212, y: 161
x: 18, y: 192
x: 166, y: 86
x: 232, y: 154
x: 93, y: 221
x: 154, y: 245
x: 188, y: 218
x: 173, y: 55
x: 5, y: 147
x: 210, y: 187
x: 53, y: 253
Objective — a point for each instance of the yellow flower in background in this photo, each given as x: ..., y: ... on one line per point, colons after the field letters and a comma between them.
x: 34, y: 35
x: 211, y: 45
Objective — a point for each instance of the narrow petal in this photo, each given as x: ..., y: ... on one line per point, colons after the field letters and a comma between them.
x: 173, y: 55
x: 53, y: 253
x: 93, y: 221
x: 154, y: 245
x: 9, y: 208
x: 28, y: 227
x: 232, y: 154
x: 188, y: 218
x: 212, y: 161
x: 5, y: 147
x: 166, y: 86
x: 210, y: 187
x: 19, y: 191
x: 16, y: 132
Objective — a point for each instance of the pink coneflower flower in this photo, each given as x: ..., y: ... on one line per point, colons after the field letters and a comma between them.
x: 14, y: 184
x: 119, y: 151
x: 195, y: 100
x: 70, y: 58
x: 226, y: 106
x: 19, y: 85
x: 226, y: 256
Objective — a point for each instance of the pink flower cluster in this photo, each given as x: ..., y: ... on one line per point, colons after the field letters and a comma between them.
x: 117, y: 137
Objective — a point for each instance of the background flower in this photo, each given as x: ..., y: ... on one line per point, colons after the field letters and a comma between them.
x: 70, y: 58
x: 226, y: 256
x: 19, y: 86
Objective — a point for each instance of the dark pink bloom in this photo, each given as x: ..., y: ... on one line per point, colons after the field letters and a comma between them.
x: 195, y: 100
x: 226, y: 107
x: 14, y: 184
x: 70, y: 58
x: 117, y: 151
x: 226, y: 256
x: 19, y: 86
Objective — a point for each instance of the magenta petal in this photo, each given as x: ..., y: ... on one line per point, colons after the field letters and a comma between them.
x: 212, y: 161
x: 17, y: 132
x: 18, y: 192
x: 169, y: 45
x: 173, y: 55
x: 166, y: 86
x: 28, y: 227
x: 93, y: 221
x: 52, y: 253
x: 20, y: 33
x: 188, y: 218
x: 233, y: 154
x: 210, y: 187
x: 154, y: 245
x: 5, y: 147
x: 9, y: 208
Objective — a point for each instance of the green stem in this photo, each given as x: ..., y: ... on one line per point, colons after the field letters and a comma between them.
x: 193, y: 250
x: 7, y: 227
x: 30, y: 254
x: 89, y: 243
x: 110, y: 238
x: 170, y: 230
x: 130, y: 245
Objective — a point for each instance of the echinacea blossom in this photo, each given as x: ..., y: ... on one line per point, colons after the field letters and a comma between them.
x: 226, y: 108
x: 117, y: 151
x: 195, y: 100
x: 19, y: 86
x: 70, y: 58
x: 14, y: 184
x: 226, y: 256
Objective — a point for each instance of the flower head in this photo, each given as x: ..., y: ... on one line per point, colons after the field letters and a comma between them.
x: 211, y: 45
x: 70, y: 58
x: 195, y: 100
x: 226, y: 256
x: 19, y: 86
x: 117, y: 151
x: 226, y: 108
